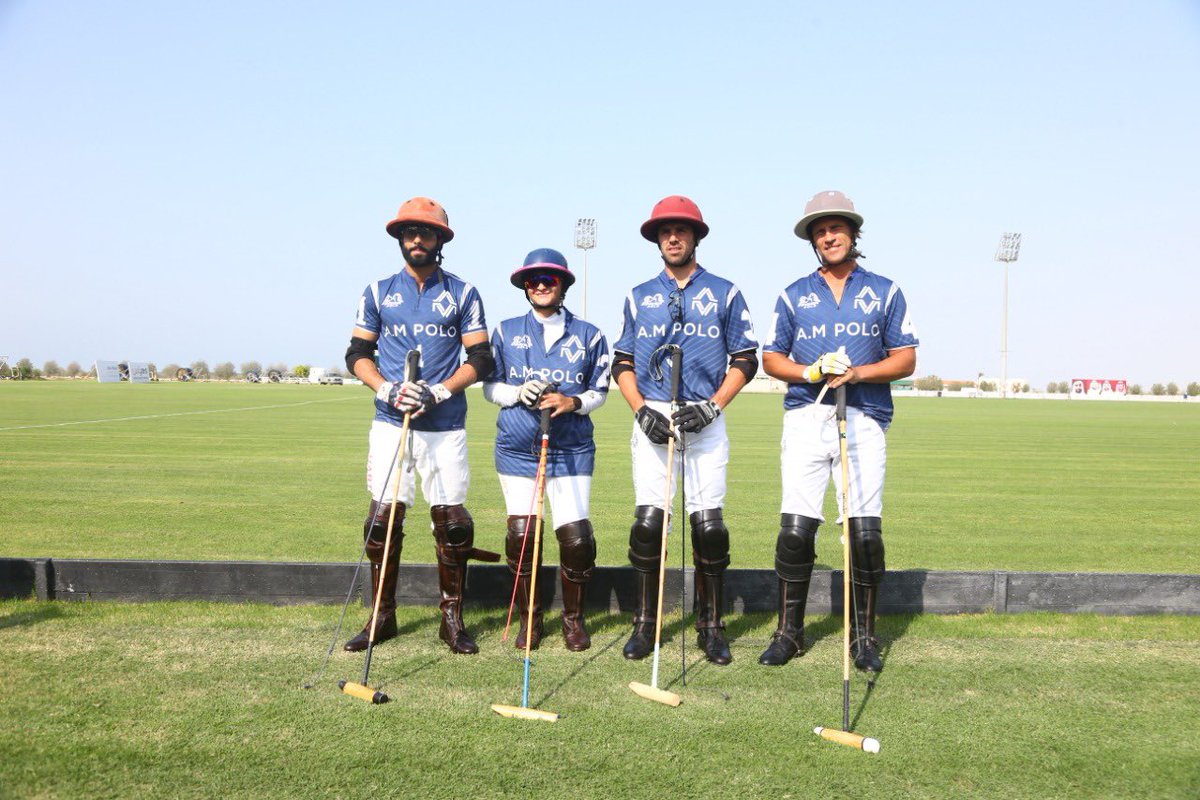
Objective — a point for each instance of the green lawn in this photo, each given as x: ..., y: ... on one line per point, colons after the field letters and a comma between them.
x: 205, y: 700
x: 275, y: 472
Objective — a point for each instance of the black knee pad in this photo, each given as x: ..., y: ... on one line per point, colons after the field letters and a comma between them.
x: 516, y: 549
x: 645, y: 538
x: 577, y: 550
x: 710, y: 541
x: 376, y: 523
x: 795, y: 549
x: 866, y: 549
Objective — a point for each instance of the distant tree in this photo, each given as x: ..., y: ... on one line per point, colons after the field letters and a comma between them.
x: 1052, y: 387
x: 929, y: 383
x: 954, y: 387
x: 1158, y: 390
x: 224, y: 371
x: 1172, y: 388
x: 168, y: 372
x: 1193, y: 389
x: 987, y: 386
x: 74, y: 370
x: 1025, y: 388
x: 1135, y: 388
x: 300, y: 370
x: 251, y: 366
x: 199, y: 369
x: 51, y: 369
x: 25, y: 370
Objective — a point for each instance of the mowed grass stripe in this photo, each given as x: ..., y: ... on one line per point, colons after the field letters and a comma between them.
x: 204, y: 700
x: 972, y: 484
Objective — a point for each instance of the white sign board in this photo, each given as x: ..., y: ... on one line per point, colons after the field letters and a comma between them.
x: 108, y: 371
x: 139, y: 372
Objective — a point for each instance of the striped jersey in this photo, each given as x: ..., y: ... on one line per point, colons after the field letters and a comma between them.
x: 433, y: 320
x: 709, y: 320
x: 871, y: 320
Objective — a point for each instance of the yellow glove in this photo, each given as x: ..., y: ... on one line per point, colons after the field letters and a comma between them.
x: 828, y: 364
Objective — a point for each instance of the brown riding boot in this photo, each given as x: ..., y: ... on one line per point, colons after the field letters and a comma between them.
x: 454, y: 533
x: 518, y: 549
x: 376, y: 533
x: 577, y: 559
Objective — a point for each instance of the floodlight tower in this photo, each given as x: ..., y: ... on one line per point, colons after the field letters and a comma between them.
x: 1006, y: 253
x: 585, y: 239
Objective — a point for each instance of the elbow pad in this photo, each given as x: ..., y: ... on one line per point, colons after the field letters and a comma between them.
x: 622, y: 363
x: 359, y: 348
x: 479, y: 356
x: 745, y: 361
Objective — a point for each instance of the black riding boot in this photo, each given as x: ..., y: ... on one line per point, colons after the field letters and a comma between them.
x: 788, y: 640
x: 641, y: 643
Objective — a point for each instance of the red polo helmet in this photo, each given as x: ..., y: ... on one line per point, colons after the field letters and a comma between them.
x: 421, y: 211
x: 675, y: 208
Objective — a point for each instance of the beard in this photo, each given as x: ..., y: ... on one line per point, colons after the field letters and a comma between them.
x: 425, y: 259
x: 680, y: 260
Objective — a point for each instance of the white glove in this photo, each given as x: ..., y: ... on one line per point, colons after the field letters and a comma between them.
x: 417, y: 398
x: 389, y: 393
x: 532, y: 391
x: 828, y: 364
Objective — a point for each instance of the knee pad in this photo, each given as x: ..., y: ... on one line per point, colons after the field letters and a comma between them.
x: 795, y: 549
x: 454, y: 532
x: 645, y: 538
x: 376, y: 523
x: 515, y: 543
x: 710, y: 541
x: 577, y: 550
x: 866, y: 548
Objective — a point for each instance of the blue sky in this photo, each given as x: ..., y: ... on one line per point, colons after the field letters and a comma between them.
x: 211, y: 180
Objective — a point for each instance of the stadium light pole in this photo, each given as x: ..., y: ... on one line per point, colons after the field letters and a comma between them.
x: 1006, y: 253
x: 585, y: 239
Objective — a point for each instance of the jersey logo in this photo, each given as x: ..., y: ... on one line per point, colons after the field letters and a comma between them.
x: 652, y: 300
x: 867, y: 301
x: 444, y: 304
x: 393, y: 300
x: 704, y: 302
x: 522, y: 341
x: 809, y: 300
x: 572, y: 350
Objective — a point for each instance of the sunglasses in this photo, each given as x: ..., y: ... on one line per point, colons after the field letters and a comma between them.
x: 418, y: 232
x: 548, y: 278
x: 675, y: 305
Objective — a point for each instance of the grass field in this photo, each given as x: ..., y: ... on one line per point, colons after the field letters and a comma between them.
x: 275, y: 472
x: 204, y: 700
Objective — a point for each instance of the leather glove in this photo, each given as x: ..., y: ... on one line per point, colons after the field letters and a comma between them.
x: 389, y: 393
x: 654, y: 424
x: 417, y: 398
x: 532, y: 391
x: 695, y: 417
x: 828, y: 364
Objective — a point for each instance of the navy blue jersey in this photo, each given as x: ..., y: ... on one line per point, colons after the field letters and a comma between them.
x: 577, y: 362
x: 708, y: 319
x: 871, y: 320
x: 432, y: 320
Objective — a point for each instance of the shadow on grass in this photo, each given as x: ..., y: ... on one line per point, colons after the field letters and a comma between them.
x: 33, y: 616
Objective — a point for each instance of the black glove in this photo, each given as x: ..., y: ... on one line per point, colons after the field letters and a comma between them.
x: 696, y: 417
x: 654, y: 424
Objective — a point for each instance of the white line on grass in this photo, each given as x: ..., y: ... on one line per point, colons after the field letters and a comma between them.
x: 175, y: 414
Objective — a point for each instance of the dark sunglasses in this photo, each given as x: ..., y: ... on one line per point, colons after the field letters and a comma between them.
x: 418, y: 232
x: 548, y: 278
x: 675, y: 305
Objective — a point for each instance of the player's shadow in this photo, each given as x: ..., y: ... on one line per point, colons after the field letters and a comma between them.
x: 33, y: 616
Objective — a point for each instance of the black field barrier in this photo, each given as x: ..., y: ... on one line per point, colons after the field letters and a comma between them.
x: 289, y: 583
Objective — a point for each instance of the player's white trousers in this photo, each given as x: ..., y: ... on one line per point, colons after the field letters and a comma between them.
x: 567, y: 496
x: 439, y: 457
x: 811, y: 455
x: 704, y: 462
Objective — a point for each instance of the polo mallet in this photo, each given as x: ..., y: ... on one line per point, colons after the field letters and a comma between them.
x: 539, y: 474
x: 652, y: 692
x: 844, y: 736
x: 363, y: 690
x: 524, y: 711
